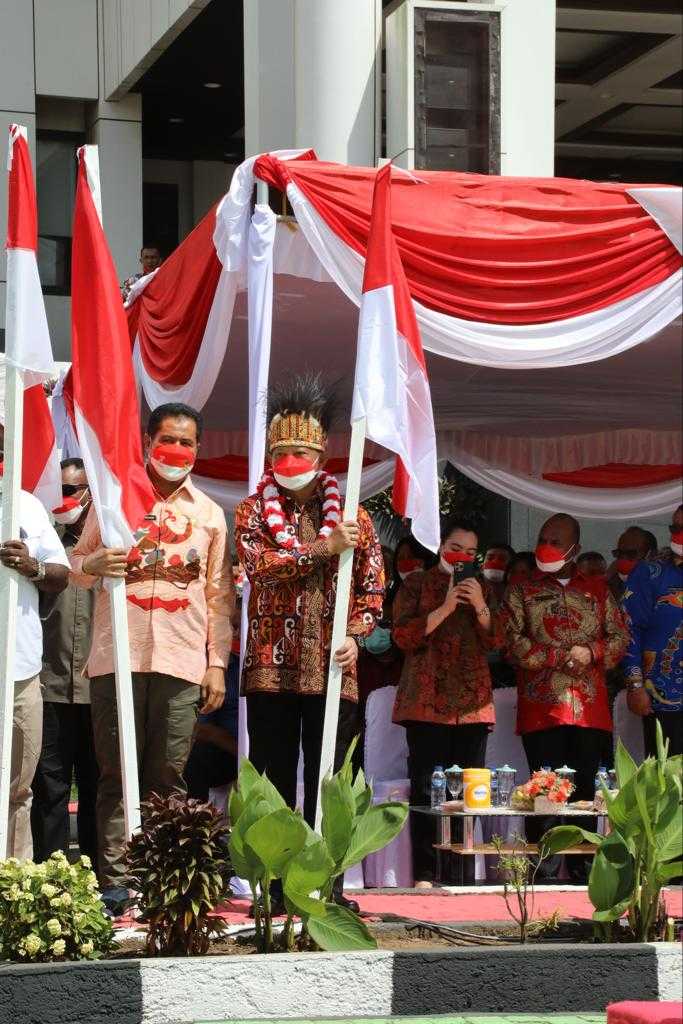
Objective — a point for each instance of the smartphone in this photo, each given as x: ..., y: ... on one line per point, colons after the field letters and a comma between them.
x: 464, y: 571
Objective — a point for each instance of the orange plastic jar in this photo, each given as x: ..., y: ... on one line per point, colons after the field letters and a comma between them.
x: 476, y: 788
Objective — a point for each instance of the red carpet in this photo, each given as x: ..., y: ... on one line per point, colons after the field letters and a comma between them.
x: 484, y: 906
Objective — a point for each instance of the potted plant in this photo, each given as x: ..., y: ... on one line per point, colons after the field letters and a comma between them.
x: 544, y: 791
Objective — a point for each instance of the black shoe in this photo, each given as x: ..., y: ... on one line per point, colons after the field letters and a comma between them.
x: 116, y: 900
x: 342, y: 901
x: 277, y: 907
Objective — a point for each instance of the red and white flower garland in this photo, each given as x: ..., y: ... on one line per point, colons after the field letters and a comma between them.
x: 282, y: 532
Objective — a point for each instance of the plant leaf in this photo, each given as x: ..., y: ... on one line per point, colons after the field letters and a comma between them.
x: 339, y: 809
x: 624, y: 764
x: 275, y: 839
x: 612, y: 913
x: 362, y: 793
x: 374, y: 830
x: 338, y: 929
x: 562, y: 837
x: 247, y: 778
x: 613, y: 877
x: 244, y: 862
x: 310, y: 869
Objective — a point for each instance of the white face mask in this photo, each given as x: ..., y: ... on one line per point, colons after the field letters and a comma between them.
x: 557, y: 563
x: 677, y: 548
x: 71, y: 516
x: 295, y: 472
x: 494, y: 575
x: 171, y: 473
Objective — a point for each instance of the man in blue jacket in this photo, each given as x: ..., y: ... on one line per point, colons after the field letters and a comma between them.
x: 653, y: 665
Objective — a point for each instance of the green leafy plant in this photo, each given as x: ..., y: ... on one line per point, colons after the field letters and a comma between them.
x: 269, y: 841
x: 178, y: 864
x: 518, y: 875
x: 643, y: 849
x: 51, y: 911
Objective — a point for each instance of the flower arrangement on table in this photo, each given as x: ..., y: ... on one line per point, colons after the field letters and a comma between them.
x: 543, y: 788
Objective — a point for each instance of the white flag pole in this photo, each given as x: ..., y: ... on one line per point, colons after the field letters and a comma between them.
x: 9, y: 580
x: 341, y: 612
x: 119, y: 619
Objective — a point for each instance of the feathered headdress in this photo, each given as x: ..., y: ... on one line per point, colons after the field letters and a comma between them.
x: 301, y: 411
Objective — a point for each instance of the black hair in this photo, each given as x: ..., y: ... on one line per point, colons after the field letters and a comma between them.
x: 651, y: 541
x: 526, y: 558
x: 306, y: 394
x: 458, y: 523
x: 586, y: 556
x: 504, y: 546
x: 417, y: 550
x: 565, y: 517
x: 151, y: 245
x: 76, y: 463
x: 173, y: 411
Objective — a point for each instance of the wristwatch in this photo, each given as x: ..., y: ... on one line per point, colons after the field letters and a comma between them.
x: 635, y: 685
x: 39, y: 574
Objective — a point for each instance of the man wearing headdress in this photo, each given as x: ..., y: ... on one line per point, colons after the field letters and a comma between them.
x: 289, y: 536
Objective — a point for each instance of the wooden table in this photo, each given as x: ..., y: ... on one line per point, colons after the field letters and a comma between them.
x: 469, y: 848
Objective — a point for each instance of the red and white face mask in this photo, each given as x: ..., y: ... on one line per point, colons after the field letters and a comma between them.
x: 451, y: 559
x: 172, y: 462
x: 677, y: 543
x: 551, y: 559
x: 71, y: 510
x: 294, y: 472
x: 624, y: 566
x: 407, y: 566
x: 494, y: 569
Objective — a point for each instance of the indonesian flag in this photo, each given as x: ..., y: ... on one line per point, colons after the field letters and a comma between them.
x: 104, y: 392
x: 28, y: 346
x: 391, y: 387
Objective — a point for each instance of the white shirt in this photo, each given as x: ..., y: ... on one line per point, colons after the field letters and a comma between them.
x: 41, y: 539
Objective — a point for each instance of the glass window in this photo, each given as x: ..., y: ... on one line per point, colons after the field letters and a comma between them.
x: 56, y: 170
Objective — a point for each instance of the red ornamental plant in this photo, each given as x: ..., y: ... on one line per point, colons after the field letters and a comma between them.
x: 548, y: 784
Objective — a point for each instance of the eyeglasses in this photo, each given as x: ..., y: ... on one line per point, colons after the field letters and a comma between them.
x: 71, y: 490
x: 625, y: 553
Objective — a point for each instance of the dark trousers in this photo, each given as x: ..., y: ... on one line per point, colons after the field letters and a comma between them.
x: 208, y: 766
x: 67, y: 750
x: 278, y: 724
x: 672, y: 730
x: 580, y: 749
x: 430, y: 744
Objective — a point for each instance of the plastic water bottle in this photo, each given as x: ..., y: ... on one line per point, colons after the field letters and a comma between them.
x: 601, y: 778
x: 438, y: 787
x: 494, y: 788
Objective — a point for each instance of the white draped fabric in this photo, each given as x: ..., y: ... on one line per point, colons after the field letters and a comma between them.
x: 583, y: 502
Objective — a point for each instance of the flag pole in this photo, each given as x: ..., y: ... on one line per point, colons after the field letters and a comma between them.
x: 341, y: 612
x: 116, y: 589
x: 9, y: 587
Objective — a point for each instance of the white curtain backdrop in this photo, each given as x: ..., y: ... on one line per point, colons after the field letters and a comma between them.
x: 583, y: 502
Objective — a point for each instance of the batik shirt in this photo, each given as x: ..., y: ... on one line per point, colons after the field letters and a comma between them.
x: 543, y: 620
x: 446, y: 677
x: 292, y: 598
x: 179, y: 589
x: 653, y: 605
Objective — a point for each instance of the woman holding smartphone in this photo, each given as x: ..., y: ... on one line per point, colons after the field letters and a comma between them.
x: 443, y: 624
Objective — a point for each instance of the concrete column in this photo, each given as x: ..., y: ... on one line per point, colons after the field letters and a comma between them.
x: 336, y: 47
x: 310, y: 77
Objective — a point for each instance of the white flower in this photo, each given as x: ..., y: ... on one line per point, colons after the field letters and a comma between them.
x: 66, y: 899
x: 26, y: 884
x: 54, y: 927
x: 59, y: 947
x: 14, y: 892
x: 48, y: 890
x: 87, y: 948
x: 32, y: 944
x: 79, y: 917
x: 85, y: 861
x: 58, y: 855
x: 56, y: 901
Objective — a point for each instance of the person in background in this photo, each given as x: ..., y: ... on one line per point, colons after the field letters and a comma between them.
x: 180, y: 598
x: 653, y: 666
x: 409, y: 557
x: 634, y: 545
x: 40, y: 562
x: 563, y: 630
x: 150, y: 259
x: 443, y: 625
x: 213, y: 758
x: 520, y: 568
x: 289, y: 536
x: 68, y: 748
x: 496, y: 561
x: 592, y: 563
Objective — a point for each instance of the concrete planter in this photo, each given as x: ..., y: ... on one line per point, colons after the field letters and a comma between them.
x: 175, y: 991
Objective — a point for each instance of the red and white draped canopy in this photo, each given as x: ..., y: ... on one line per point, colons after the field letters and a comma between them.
x: 549, y: 310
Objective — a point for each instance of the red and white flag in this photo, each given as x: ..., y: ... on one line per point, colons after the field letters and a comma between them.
x: 104, y: 392
x: 391, y: 387
x: 27, y: 337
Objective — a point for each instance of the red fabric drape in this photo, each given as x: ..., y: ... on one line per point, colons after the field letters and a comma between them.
x: 496, y: 250
x: 236, y: 467
x: 170, y: 316
x: 615, y: 474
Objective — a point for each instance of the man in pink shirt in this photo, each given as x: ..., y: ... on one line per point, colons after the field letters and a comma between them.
x: 180, y: 598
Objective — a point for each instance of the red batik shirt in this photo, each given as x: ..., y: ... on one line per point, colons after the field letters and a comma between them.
x: 446, y: 677
x: 292, y: 597
x: 542, y: 620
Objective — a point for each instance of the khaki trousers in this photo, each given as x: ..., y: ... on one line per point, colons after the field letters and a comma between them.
x: 27, y: 738
x: 165, y: 716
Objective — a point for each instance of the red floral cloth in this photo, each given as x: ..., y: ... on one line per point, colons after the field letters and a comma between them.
x: 445, y: 676
x: 292, y: 597
x: 542, y: 620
